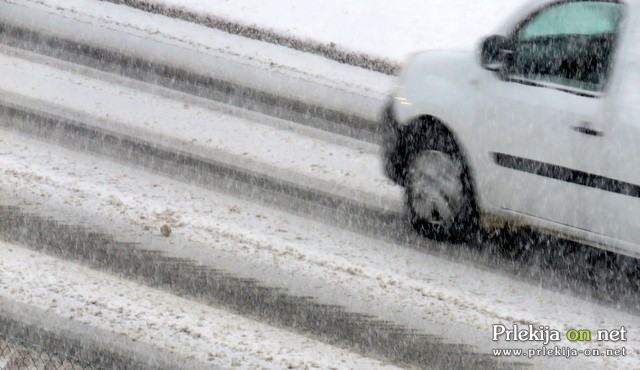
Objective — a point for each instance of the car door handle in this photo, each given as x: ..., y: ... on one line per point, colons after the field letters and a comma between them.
x: 585, y: 128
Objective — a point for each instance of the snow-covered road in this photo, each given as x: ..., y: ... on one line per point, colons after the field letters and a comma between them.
x: 454, y: 300
x: 409, y: 287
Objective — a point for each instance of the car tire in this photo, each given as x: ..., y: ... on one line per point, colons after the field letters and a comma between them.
x: 438, y: 192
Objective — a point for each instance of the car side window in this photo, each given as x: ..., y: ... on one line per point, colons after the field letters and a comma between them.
x: 569, y: 43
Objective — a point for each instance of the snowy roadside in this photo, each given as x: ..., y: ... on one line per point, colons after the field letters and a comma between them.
x: 406, y: 286
x: 381, y: 28
x: 259, y: 65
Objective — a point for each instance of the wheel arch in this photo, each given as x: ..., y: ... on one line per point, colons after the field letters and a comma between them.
x: 418, y: 133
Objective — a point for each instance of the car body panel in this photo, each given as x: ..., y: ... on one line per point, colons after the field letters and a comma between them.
x: 618, y: 214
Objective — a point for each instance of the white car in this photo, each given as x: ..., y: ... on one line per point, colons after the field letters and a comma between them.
x: 539, y: 127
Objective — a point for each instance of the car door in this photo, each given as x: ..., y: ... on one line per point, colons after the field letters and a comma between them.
x: 542, y: 109
x: 616, y: 205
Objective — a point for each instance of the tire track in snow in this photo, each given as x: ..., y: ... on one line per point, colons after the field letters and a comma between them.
x: 330, y: 323
x: 80, y: 346
x: 208, y: 172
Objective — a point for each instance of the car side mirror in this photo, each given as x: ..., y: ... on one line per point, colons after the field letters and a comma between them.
x: 495, y: 52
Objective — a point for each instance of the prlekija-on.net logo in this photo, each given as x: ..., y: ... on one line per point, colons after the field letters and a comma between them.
x: 545, y: 334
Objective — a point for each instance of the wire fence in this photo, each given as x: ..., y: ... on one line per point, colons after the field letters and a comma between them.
x: 16, y: 354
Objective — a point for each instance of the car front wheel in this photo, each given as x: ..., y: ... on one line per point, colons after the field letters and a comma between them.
x: 438, y: 196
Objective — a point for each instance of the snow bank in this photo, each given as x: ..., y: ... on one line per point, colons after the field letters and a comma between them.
x: 375, y: 34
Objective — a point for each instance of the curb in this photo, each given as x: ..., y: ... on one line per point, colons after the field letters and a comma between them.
x: 329, y: 51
